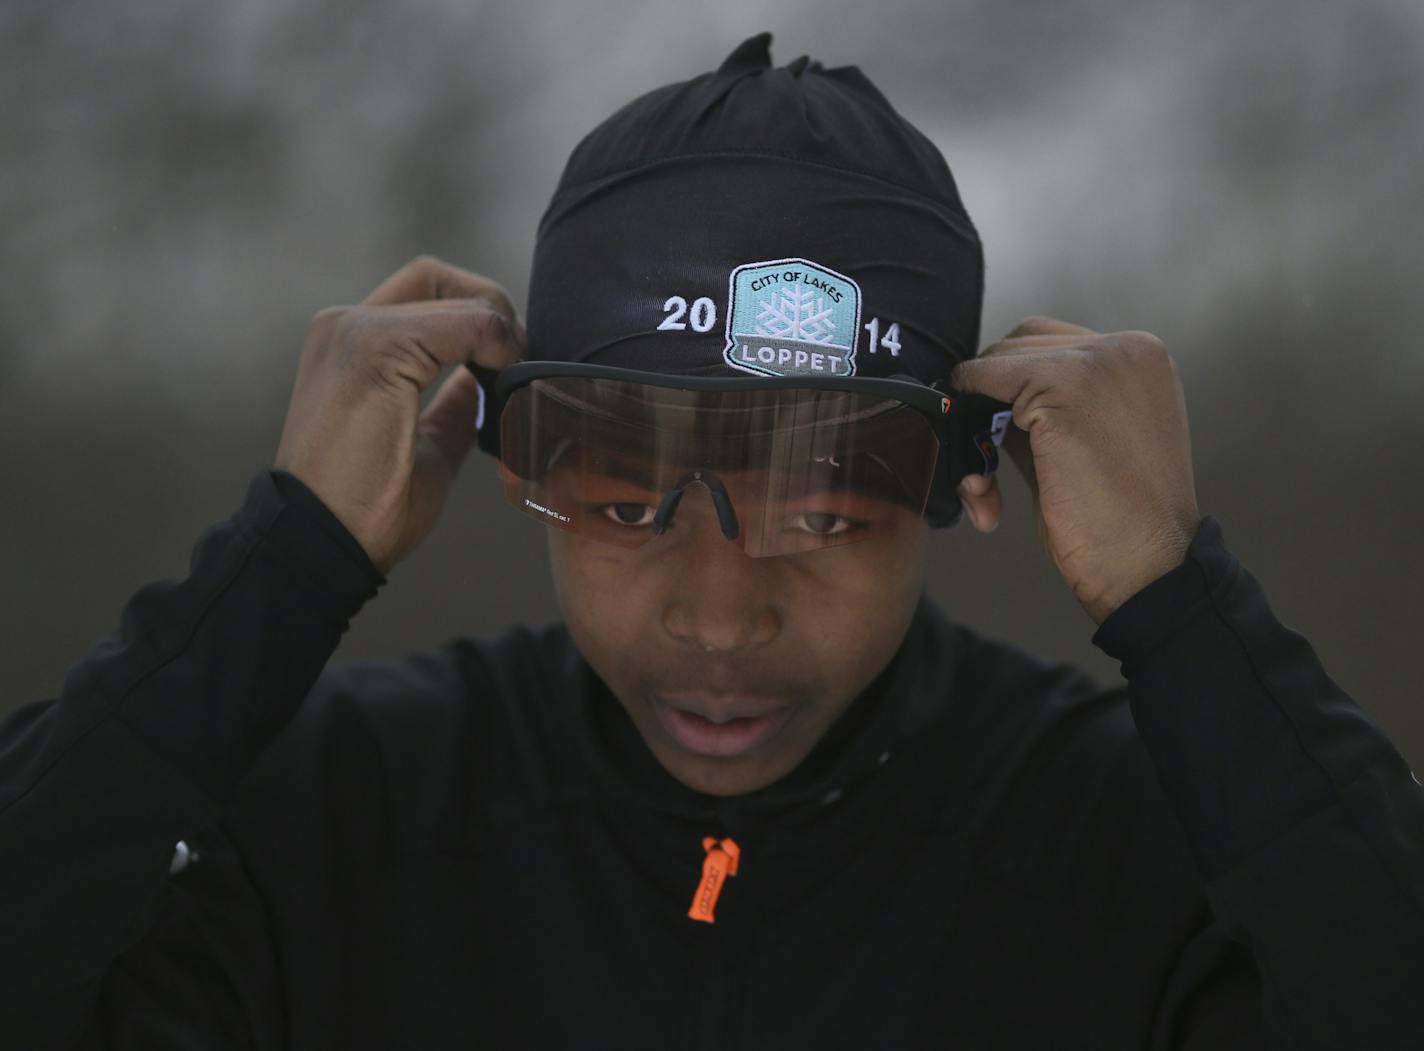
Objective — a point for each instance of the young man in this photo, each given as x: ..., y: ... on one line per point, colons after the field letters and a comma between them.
x: 755, y: 791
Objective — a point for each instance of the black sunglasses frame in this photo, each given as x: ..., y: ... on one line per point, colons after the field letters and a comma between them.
x: 964, y: 423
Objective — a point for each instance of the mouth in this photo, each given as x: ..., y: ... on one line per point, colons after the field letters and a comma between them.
x: 719, y: 726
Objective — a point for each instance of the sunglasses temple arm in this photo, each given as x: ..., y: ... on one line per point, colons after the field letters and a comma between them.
x: 981, y: 431
x: 487, y: 415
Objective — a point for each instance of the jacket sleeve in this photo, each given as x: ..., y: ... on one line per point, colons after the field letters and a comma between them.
x: 153, y: 731
x: 1306, y: 824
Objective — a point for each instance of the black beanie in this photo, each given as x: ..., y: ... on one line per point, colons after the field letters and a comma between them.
x: 758, y: 220
x: 761, y: 221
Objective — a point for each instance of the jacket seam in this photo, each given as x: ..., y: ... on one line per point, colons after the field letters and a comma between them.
x: 115, y: 700
x: 1337, y: 789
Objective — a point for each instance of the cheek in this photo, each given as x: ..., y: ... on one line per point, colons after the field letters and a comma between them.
x: 578, y: 579
x: 599, y: 603
x: 844, y: 609
x: 864, y: 596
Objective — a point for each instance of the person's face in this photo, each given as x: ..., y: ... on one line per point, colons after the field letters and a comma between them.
x: 691, y: 623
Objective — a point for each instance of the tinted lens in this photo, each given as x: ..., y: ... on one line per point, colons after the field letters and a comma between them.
x: 799, y: 469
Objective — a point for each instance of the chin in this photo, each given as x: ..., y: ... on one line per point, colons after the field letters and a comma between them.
x: 722, y: 777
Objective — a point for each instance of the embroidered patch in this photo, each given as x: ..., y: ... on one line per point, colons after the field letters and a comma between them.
x: 792, y: 317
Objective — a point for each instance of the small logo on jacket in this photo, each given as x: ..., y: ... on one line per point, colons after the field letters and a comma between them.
x: 792, y: 317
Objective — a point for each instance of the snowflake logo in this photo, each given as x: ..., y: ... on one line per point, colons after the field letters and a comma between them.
x: 791, y: 317
x: 796, y: 312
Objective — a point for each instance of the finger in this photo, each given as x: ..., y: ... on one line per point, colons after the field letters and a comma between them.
x: 1006, y: 373
x: 1040, y: 325
x: 426, y: 277
x: 976, y: 484
x: 448, y: 422
x: 423, y: 338
x: 987, y: 515
x: 1023, y: 343
x: 982, y: 501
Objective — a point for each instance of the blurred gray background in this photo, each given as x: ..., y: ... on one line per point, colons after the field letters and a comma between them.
x: 184, y: 185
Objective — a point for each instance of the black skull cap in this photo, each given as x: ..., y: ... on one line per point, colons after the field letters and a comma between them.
x: 674, y: 192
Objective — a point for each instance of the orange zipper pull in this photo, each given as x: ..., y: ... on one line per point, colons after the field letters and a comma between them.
x: 720, y: 862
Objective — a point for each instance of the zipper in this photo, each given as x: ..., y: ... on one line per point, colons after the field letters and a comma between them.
x: 721, y: 862
x: 715, y: 1021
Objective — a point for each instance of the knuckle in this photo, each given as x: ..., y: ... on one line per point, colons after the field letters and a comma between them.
x: 504, y: 303
x: 1146, y: 344
x: 389, y: 368
x: 351, y: 329
x: 1034, y: 325
x: 327, y: 318
x: 1077, y: 373
x: 417, y: 357
x: 1088, y: 364
x: 1151, y: 353
x: 492, y: 326
x: 379, y: 371
x: 425, y: 263
x: 426, y: 270
x: 494, y: 342
x: 499, y: 323
x: 491, y: 295
x: 328, y: 329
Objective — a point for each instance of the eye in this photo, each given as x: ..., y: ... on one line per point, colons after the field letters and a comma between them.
x: 629, y: 514
x: 822, y: 523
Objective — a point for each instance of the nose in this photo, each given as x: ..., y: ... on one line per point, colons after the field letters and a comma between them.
x: 721, y: 599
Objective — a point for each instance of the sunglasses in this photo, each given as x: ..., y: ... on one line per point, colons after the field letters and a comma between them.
x: 790, y: 464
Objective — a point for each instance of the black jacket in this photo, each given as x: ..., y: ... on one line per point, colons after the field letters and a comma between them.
x: 471, y: 847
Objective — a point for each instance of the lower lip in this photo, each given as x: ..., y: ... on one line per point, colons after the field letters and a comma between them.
x: 704, y: 737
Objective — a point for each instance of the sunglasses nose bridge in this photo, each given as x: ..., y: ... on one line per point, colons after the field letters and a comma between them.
x: 721, y: 502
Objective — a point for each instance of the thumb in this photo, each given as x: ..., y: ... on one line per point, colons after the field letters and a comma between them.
x: 448, y: 421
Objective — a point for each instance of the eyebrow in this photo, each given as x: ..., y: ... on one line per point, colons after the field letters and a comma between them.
x: 642, y: 474
x: 616, y: 466
x: 638, y: 474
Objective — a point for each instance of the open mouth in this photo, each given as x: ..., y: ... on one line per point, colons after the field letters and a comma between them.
x: 728, y: 735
